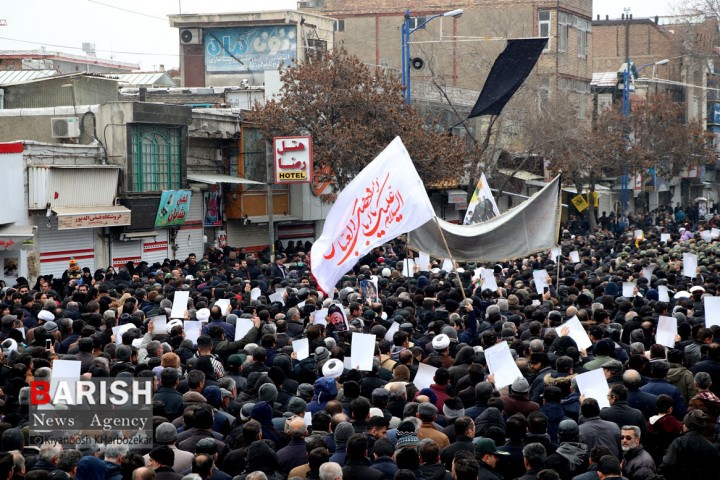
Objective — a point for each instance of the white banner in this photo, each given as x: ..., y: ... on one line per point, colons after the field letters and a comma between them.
x: 385, y: 200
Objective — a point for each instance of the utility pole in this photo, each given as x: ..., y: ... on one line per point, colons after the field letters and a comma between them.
x: 626, y: 111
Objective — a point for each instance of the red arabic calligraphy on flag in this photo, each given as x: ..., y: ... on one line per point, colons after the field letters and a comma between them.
x: 375, y: 211
x: 385, y: 200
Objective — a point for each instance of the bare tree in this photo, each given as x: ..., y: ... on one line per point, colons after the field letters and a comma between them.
x: 352, y: 113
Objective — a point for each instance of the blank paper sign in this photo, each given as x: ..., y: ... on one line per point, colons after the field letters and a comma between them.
x: 423, y: 261
x: 192, y: 330
x: 666, y: 331
x: 689, y: 265
x: 242, y: 327
x: 447, y: 265
x: 712, y: 311
x: 302, y: 348
x: 575, y: 256
x: 488, y: 279
x: 555, y: 253
x: 390, y: 333
x: 223, y: 305
x: 576, y: 332
x: 363, y: 350
x: 593, y: 384
x: 278, y: 295
x: 320, y: 316
x: 63, y: 371
x: 647, y: 273
x: 255, y: 293
x: 180, y: 302
x: 424, y: 376
x: 664, y: 237
x: 540, y: 277
x: 118, y: 332
x: 628, y: 289
x: 501, y: 364
x: 663, y: 294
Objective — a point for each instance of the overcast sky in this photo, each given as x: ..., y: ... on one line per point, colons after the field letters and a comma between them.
x: 137, y: 31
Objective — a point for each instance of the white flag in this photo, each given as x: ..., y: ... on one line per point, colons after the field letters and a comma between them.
x: 385, y: 200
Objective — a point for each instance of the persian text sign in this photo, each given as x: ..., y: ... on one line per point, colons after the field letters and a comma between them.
x: 385, y: 200
x: 174, y: 207
x: 293, y: 159
x: 92, y: 220
x: 249, y: 49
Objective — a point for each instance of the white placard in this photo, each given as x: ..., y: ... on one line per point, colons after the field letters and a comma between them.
x: 447, y: 265
x: 628, y: 290
x: 690, y: 265
x: 180, y: 304
x: 555, y: 253
x: 666, y: 331
x: 593, y: 384
x: 119, y: 330
x: 423, y: 261
x: 664, y: 237
x: 663, y: 293
x: 424, y: 376
x: 712, y: 310
x: 255, y: 293
x: 65, y: 371
x: 706, y: 235
x: 647, y: 272
x: 502, y: 365
x: 223, y: 304
x: 363, y: 350
x: 22, y: 332
x: 347, y: 363
x: 278, y: 296
x: 301, y: 304
x: 488, y: 279
x: 159, y: 324
x: 540, y: 277
x: 477, y: 273
x: 575, y: 256
x: 393, y: 328
x: 242, y: 327
x: 137, y: 343
x: 308, y: 419
x: 639, y: 235
x: 192, y: 330
x: 320, y: 316
x: 302, y: 348
x: 407, y: 268
x: 576, y: 332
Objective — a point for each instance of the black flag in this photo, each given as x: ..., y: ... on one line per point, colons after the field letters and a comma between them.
x: 507, y: 74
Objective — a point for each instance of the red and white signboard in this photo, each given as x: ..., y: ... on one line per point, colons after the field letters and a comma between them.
x: 293, y: 159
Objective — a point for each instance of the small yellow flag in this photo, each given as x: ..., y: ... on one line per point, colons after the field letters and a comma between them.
x: 580, y: 203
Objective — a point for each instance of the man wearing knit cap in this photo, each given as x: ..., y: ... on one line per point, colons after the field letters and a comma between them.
x: 342, y: 434
x: 166, y: 434
x: 517, y: 400
x: 162, y: 460
x: 691, y: 455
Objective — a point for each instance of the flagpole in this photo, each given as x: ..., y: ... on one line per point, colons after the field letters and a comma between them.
x: 462, y: 289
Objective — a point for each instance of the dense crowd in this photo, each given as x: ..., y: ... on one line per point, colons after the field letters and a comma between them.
x: 249, y: 409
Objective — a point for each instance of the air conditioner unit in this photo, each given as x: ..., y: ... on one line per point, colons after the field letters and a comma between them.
x: 191, y: 36
x: 67, y: 127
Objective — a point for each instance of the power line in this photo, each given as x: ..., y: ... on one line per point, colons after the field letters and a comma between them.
x: 80, y: 48
x: 128, y: 11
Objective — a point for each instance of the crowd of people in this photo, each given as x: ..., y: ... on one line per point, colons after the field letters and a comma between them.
x: 248, y: 408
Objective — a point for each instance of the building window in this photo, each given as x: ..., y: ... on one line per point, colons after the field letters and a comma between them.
x: 562, y: 32
x: 415, y: 21
x: 583, y: 29
x: 156, y: 160
x: 544, y: 26
x: 340, y: 25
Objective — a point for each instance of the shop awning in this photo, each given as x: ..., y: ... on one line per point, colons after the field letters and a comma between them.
x: 214, y: 178
x: 521, y: 174
x: 92, y: 217
x: 12, y: 230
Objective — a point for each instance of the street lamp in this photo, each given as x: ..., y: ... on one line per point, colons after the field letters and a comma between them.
x: 405, y: 45
x: 627, y: 75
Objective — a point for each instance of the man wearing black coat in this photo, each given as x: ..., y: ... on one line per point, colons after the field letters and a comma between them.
x: 357, y: 466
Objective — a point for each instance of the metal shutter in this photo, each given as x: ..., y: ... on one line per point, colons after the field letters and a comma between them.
x: 155, y: 249
x: 190, y: 235
x: 125, y: 251
x: 253, y: 237
x: 58, y: 246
